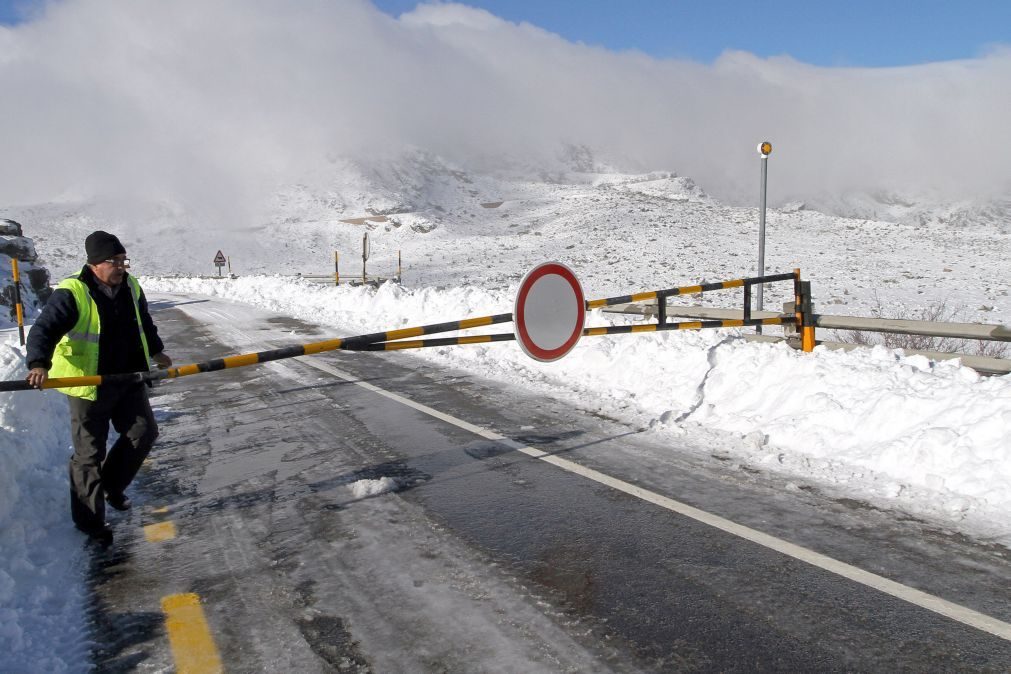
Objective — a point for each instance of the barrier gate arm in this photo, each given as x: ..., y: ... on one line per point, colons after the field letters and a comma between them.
x: 387, y: 341
x: 661, y: 325
x: 587, y: 332
x: 261, y: 356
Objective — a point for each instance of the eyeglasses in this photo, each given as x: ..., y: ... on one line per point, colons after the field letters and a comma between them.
x: 125, y: 262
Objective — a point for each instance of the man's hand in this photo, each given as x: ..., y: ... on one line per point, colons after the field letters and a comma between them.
x: 37, y: 376
x: 162, y: 360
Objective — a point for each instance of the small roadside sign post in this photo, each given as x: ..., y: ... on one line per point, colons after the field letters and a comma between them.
x: 366, y: 249
x: 219, y: 261
x: 549, y: 312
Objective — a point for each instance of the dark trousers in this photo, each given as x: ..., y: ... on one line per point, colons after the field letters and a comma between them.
x: 95, y: 471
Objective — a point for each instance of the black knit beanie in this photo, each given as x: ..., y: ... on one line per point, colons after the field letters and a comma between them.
x: 100, y: 246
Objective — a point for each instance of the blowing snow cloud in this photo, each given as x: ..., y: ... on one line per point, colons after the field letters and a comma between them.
x: 226, y: 100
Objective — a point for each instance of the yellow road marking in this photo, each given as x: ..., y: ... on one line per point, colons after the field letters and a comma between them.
x: 162, y: 531
x: 160, y: 511
x: 192, y: 645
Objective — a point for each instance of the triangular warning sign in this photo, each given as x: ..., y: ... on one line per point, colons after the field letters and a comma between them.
x: 219, y: 259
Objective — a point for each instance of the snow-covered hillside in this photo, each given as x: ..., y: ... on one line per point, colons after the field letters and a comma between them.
x: 620, y: 232
x: 470, y: 235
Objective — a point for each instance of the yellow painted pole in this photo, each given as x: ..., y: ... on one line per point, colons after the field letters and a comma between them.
x: 806, y: 331
x: 18, y: 308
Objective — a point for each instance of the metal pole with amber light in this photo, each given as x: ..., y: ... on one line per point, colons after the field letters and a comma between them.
x: 764, y: 149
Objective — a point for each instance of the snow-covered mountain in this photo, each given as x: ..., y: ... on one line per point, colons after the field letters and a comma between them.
x: 984, y: 214
x: 622, y: 232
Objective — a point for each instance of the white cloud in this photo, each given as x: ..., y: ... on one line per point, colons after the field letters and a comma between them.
x: 215, y: 103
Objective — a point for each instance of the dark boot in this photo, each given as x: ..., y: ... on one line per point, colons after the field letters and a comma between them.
x: 118, y: 501
x: 101, y: 534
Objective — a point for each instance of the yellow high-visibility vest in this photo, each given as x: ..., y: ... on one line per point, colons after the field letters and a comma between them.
x: 76, y: 355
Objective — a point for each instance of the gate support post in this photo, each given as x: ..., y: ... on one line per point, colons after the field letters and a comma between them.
x: 807, y: 339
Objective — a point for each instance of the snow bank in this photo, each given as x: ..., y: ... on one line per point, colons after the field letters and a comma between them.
x: 43, y: 565
x: 934, y: 438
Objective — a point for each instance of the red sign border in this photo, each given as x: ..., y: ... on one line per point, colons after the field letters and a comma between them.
x: 519, y: 319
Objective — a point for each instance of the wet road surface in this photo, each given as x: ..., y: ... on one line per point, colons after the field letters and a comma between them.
x: 483, y: 558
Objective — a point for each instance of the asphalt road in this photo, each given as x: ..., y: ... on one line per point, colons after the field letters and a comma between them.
x: 484, y: 558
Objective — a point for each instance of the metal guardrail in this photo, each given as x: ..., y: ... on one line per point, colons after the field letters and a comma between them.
x: 330, y: 279
x: 975, y: 331
x: 981, y: 364
x: 1000, y: 333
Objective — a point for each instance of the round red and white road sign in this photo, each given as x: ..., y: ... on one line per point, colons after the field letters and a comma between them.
x: 550, y: 311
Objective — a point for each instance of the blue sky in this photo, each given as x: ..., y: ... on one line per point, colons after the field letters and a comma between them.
x: 851, y: 33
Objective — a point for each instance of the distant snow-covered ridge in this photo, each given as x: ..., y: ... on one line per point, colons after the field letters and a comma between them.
x: 621, y: 233
x: 932, y: 438
x: 984, y: 214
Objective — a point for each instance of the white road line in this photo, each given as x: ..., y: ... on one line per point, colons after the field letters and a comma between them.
x: 916, y: 597
x: 943, y: 607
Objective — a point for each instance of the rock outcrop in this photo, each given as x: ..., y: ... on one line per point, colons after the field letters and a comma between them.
x: 35, y: 288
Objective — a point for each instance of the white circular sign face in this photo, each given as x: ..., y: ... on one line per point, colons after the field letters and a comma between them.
x: 550, y: 311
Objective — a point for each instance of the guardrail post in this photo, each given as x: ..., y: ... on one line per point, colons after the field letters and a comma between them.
x: 807, y: 310
x: 365, y: 255
x: 661, y: 309
x: 18, y: 308
x: 747, y: 306
x: 798, y: 304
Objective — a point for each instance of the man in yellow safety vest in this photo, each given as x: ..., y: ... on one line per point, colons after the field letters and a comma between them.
x: 97, y: 323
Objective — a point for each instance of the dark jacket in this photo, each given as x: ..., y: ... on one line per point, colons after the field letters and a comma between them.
x: 119, y: 346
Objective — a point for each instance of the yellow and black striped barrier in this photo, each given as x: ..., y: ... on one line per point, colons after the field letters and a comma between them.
x: 587, y: 332
x: 393, y: 340
x: 687, y: 290
x: 263, y: 356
